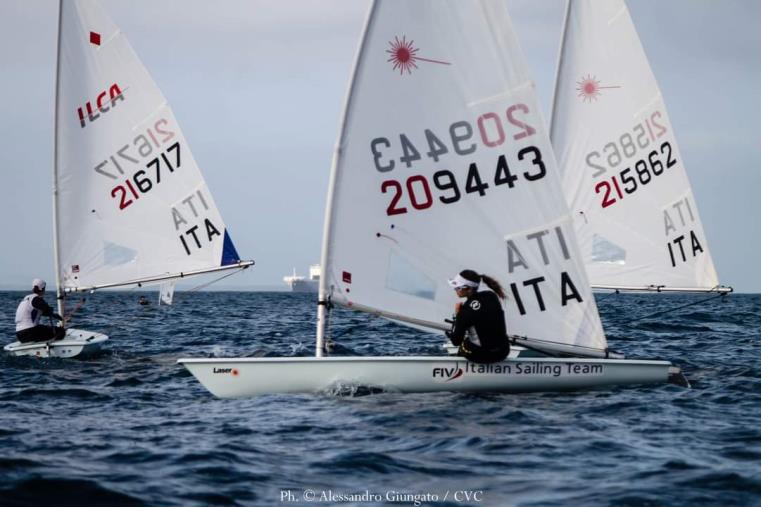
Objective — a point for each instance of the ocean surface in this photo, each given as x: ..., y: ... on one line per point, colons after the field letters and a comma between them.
x: 132, y: 427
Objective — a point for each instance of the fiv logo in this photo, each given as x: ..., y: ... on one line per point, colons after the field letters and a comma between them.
x: 447, y: 373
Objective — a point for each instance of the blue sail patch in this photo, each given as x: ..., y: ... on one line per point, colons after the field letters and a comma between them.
x: 229, y: 254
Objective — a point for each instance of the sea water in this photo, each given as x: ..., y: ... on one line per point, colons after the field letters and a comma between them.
x: 132, y: 427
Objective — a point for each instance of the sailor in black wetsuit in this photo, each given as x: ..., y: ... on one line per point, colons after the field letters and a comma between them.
x: 479, y: 328
x: 28, y: 314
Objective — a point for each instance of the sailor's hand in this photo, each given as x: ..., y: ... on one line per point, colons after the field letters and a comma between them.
x: 457, y: 307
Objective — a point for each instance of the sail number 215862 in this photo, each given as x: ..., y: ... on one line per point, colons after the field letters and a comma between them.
x: 642, y: 151
x: 637, y: 176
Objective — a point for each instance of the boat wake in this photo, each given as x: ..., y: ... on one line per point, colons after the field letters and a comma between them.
x: 350, y: 390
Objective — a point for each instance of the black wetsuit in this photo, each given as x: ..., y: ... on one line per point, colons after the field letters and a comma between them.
x: 41, y: 333
x: 479, y: 329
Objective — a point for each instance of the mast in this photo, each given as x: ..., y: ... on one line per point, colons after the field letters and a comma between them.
x: 557, y: 69
x: 323, y: 294
x: 56, y: 254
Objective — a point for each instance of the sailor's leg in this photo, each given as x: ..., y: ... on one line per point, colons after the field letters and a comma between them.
x: 35, y: 334
x: 58, y: 333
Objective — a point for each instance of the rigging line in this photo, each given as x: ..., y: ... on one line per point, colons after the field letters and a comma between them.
x: 678, y: 307
x: 68, y: 316
x: 515, y: 339
x: 606, y: 296
x: 203, y: 285
x: 329, y: 338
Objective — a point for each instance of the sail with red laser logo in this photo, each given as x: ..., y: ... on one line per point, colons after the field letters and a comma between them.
x: 444, y: 164
x: 130, y: 205
x: 624, y: 177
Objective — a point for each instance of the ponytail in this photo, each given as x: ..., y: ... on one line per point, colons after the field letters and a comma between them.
x: 494, y: 285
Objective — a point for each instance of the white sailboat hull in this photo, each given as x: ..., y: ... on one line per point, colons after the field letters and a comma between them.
x: 76, y: 343
x: 244, y: 377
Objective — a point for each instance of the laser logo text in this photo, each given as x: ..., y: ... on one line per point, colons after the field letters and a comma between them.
x: 103, y: 104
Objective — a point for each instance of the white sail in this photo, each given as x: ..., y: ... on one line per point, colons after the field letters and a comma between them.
x: 623, y: 175
x: 132, y: 203
x: 444, y: 164
x: 166, y: 292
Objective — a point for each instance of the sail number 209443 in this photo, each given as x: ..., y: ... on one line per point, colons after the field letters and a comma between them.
x: 418, y: 190
x: 463, y: 139
x: 491, y: 133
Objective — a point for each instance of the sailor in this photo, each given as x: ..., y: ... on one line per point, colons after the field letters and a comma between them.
x: 28, y: 314
x: 479, y: 325
x: 142, y: 301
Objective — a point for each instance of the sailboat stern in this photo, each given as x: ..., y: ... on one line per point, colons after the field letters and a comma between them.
x: 677, y: 377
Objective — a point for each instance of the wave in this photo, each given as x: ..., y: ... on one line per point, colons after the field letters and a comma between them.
x: 66, y: 492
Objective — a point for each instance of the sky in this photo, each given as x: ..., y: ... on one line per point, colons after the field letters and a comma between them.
x: 258, y: 88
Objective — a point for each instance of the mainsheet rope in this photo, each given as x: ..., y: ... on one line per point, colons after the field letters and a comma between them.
x: 203, y: 285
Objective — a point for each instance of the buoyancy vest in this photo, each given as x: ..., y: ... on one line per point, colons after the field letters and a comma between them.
x: 27, y: 316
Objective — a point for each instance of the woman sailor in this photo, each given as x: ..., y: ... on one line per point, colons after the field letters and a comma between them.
x: 479, y: 326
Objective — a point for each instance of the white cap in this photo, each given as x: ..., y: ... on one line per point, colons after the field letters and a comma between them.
x: 458, y: 282
x: 39, y: 283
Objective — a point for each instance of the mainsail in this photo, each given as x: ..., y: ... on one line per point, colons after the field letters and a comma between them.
x: 443, y: 164
x: 131, y: 203
x: 623, y: 175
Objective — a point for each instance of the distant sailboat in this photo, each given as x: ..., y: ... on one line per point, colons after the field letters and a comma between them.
x: 623, y: 175
x: 443, y: 163
x: 130, y: 204
x: 166, y: 292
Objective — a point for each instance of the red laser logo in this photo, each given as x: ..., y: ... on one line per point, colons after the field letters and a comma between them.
x: 404, y: 55
x: 589, y: 88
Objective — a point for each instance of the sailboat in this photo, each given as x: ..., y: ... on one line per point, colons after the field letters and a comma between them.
x: 624, y: 177
x: 130, y: 205
x: 443, y: 163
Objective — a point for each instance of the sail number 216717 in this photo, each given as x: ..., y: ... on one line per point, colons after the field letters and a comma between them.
x: 146, y: 179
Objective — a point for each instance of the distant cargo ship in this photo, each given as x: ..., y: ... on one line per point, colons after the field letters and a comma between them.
x: 302, y: 284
